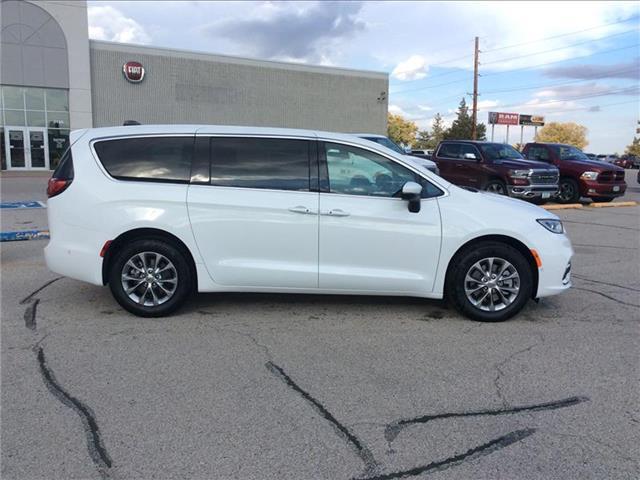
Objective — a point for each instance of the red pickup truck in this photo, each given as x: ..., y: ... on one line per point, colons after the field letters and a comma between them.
x: 579, y: 175
x: 497, y: 168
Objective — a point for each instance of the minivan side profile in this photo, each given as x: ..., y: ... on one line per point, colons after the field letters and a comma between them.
x: 158, y: 212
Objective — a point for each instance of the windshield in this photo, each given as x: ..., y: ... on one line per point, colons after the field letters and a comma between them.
x: 570, y: 153
x: 499, y: 151
x: 385, y: 142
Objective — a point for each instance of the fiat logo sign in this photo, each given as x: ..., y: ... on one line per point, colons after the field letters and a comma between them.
x: 133, y: 71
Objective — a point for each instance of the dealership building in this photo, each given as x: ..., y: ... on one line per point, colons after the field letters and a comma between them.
x: 54, y: 79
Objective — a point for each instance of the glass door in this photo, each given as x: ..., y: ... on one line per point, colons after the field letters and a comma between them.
x: 26, y: 148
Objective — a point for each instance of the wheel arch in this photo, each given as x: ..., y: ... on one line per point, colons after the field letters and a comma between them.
x: 494, y: 178
x: 147, y: 233
x: 511, y: 241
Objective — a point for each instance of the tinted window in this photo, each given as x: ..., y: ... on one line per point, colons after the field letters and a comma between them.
x: 570, y: 153
x: 449, y: 150
x: 467, y: 148
x: 538, y: 153
x: 271, y: 163
x: 385, y: 142
x: 64, y: 170
x: 499, y: 151
x: 355, y: 171
x: 160, y: 159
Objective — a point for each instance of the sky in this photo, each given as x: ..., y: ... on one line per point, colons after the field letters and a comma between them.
x: 568, y: 61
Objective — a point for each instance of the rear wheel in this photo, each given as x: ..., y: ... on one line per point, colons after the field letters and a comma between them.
x: 496, y: 186
x: 569, y: 191
x: 489, y: 282
x: 150, y: 278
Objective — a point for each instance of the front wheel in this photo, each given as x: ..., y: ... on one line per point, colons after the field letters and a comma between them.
x: 569, y: 191
x: 496, y: 186
x: 490, y: 282
x: 150, y: 278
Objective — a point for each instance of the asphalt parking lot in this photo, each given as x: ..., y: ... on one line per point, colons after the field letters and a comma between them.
x: 323, y: 387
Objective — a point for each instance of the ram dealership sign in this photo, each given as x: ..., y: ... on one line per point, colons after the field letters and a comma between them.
x: 532, y: 120
x: 133, y: 71
x: 501, y: 118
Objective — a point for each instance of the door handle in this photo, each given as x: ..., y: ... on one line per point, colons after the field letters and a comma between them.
x: 301, y: 209
x: 336, y: 213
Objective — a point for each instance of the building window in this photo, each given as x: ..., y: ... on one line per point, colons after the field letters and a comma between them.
x: 45, y: 109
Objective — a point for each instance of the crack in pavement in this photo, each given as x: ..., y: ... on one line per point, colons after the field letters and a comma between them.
x: 586, y: 279
x: 38, y: 290
x: 621, y: 302
x: 393, y: 429
x: 500, y: 373
x: 472, y: 454
x: 97, y: 451
x: 603, y: 246
x: 371, y: 466
x: 30, y: 314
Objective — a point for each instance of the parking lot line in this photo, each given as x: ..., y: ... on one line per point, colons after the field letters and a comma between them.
x: 613, y: 204
x: 562, y: 207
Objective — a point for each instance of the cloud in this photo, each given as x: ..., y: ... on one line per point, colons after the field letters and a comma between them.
x: 109, y: 23
x: 595, y: 108
x: 629, y: 70
x: 413, y: 68
x: 297, y: 31
x: 485, y: 104
x: 587, y: 89
x: 425, y: 108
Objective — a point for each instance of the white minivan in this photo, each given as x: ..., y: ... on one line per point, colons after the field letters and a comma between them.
x: 158, y: 212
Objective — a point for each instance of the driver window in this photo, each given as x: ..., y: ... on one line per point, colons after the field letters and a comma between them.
x: 538, y: 153
x: 354, y: 171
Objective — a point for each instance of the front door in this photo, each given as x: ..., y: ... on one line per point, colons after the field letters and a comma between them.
x: 369, y: 241
x: 26, y: 148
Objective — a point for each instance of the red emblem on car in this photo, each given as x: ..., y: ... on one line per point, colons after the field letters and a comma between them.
x: 133, y: 71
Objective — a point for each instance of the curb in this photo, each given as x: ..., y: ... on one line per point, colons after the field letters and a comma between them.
x: 24, y: 235
x: 613, y: 204
x: 562, y: 207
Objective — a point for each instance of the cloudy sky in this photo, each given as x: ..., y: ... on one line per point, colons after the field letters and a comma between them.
x: 573, y: 61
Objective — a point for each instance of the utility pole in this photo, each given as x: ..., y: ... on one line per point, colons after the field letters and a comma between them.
x: 474, y: 114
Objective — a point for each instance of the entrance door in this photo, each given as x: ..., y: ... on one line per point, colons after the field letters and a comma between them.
x: 27, y: 148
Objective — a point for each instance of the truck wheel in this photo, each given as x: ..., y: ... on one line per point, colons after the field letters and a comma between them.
x: 150, y: 278
x: 496, y: 186
x: 489, y: 282
x: 569, y: 191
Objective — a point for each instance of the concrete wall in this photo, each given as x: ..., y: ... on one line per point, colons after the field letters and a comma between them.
x: 71, y: 15
x: 188, y: 87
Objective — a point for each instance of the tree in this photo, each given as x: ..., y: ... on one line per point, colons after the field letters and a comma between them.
x: 461, y: 126
x: 400, y: 130
x: 634, y: 147
x: 437, y: 130
x: 423, y: 140
x: 568, y: 133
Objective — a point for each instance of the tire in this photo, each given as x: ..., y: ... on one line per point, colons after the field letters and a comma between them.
x: 158, y: 293
x: 568, y: 191
x: 496, y: 186
x: 602, y: 199
x: 465, y: 263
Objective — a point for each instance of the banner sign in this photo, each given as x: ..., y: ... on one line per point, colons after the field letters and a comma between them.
x: 501, y: 118
x: 532, y: 120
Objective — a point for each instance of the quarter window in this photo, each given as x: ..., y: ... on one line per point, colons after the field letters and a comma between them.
x: 450, y: 150
x: 271, y: 163
x: 538, y: 153
x: 159, y: 159
x: 355, y: 171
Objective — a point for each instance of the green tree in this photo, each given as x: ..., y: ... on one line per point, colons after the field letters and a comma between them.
x: 423, y: 140
x: 462, y: 125
x: 634, y: 147
x: 568, y: 133
x: 400, y: 130
x: 438, y: 130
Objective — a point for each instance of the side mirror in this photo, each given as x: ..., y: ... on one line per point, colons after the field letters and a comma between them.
x: 470, y: 156
x: 411, y: 192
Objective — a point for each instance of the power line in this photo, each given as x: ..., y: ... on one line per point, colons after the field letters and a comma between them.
x: 533, y: 87
x: 593, y: 106
x: 560, y: 61
x: 430, y: 86
x: 560, y: 48
x: 562, y: 35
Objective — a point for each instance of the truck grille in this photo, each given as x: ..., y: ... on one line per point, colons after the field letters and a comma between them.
x: 544, y: 178
x: 609, y: 176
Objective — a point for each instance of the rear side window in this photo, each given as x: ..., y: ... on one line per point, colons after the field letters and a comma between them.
x: 449, y: 150
x: 538, y: 153
x: 154, y: 159
x: 64, y: 170
x: 270, y: 163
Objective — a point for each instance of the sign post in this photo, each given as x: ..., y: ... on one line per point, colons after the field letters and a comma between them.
x: 531, y: 120
x: 501, y: 118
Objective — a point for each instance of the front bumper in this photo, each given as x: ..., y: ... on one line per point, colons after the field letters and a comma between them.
x: 530, y: 192
x: 554, y: 276
x: 591, y: 188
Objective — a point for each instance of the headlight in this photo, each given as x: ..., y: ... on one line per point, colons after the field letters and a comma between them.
x: 551, y: 224
x: 519, y: 173
x: 589, y: 175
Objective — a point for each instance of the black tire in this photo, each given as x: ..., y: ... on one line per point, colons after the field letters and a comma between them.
x: 183, y: 277
x: 602, y: 199
x: 568, y: 191
x: 496, y: 186
x: 462, y: 263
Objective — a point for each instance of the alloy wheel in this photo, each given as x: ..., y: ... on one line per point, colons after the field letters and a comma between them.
x: 492, y: 284
x: 567, y: 191
x: 496, y: 187
x: 149, y: 279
